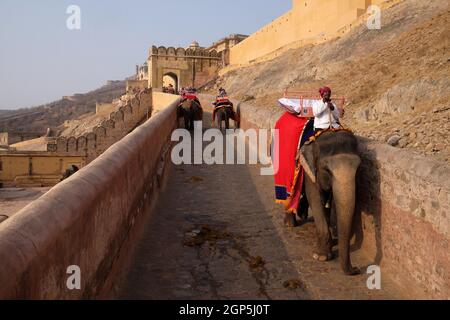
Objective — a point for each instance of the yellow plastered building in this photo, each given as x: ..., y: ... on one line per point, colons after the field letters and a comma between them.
x: 35, y: 169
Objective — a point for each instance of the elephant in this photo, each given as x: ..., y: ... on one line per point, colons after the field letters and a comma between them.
x: 331, y: 164
x: 224, y: 114
x: 191, y: 111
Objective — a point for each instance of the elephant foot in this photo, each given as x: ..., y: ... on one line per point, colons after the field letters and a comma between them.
x: 290, y: 221
x: 352, y: 271
x: 303, y: 216
x: 322, y: 258
x: 334, y: 233
x: 334, y: 242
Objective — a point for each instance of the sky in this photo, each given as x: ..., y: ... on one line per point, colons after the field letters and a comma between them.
x: 41, y: 60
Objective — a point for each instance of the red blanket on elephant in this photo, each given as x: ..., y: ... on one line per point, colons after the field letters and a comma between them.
x: 292, y: 132
x: 224, y: 102
x: 234, y: 115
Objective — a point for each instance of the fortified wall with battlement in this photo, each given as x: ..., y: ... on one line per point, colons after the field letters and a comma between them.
x: 118, y: 125
x: 45, y: 168
x: 12, y: 137
x: 308, y: 22
x: 4, y: 139
x: 187, y: 67
x: 99, y: 212
x: 136, y: 85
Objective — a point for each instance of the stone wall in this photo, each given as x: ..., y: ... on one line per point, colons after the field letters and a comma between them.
x: 309, y: 22
x: 111, y: 130
x: 189, y: 67
x: 101, y: 109
x: 403, y: 211
x: 4, y: 139
x: 90, y: 220
x: 34, y: 169
x: 12, y: 137
x: 136, y: 85
x: 162, y: 100
x: 224, y: 45
x: 404, y: 202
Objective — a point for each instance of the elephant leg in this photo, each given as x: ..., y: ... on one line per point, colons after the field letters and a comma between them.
x: 192, y: 122
x: 227, y: 119
x: 303, y: 206
x: 290, y: 221
x: 186, y: 120
x: 179, y: 115
x: 221, y: 119
x: 191, y: 119
x: 333, y: 221
x: 314, y: 194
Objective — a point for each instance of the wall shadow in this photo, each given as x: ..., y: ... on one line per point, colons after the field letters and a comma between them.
x: 368, y: 210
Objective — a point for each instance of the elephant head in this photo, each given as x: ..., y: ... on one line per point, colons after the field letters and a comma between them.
x: 330, y: 164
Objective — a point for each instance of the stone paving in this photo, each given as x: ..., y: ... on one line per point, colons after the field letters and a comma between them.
x: 12, y: 200
x: 216, y: 233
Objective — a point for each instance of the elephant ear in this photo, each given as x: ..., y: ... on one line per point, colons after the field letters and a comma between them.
x: 307, y: 161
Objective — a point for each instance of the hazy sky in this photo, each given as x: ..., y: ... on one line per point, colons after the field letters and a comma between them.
x: 42, y: 60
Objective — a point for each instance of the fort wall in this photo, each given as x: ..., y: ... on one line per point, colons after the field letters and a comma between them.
x: 136, y: 85
x: 40, y: 168
x: 34, y: 169
x: 103, y: 109
x: 188, y: 67
x: 90, y: 220
x: 162, y: 100
x: 13, y: 137
x: 309, y: 22
x: 4, y: 139
x: 119, y: 123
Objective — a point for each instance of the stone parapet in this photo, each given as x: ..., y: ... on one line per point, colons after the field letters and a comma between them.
x: 90, y: 220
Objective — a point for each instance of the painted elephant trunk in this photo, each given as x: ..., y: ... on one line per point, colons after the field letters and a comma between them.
x: 344, y: 194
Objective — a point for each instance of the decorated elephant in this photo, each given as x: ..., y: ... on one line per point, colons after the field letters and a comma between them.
x: 190, y: 110
x: 330, y: 164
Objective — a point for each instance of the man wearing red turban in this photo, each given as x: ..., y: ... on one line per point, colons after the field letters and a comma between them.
x: 326, y: 113
x: 324, y: 90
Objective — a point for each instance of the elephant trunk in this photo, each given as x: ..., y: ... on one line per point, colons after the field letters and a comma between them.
x: 343, y: 185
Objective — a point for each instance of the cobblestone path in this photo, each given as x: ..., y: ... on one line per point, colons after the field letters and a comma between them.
x: 217, y: 234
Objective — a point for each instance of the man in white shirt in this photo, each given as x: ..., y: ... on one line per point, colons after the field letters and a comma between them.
x: 326, y: 113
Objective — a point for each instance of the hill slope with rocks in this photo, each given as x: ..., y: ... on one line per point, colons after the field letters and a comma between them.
x: 396, y: 80
x: 53, y: 115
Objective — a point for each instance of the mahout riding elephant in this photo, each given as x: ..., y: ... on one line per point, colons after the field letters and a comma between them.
x: 330, y: 164
x: 190, y: 110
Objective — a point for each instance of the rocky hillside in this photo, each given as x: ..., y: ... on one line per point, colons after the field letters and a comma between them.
x: 396, y: 80
x: 53, y: 115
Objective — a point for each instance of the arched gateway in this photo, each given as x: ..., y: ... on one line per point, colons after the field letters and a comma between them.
x: 182, y: 67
